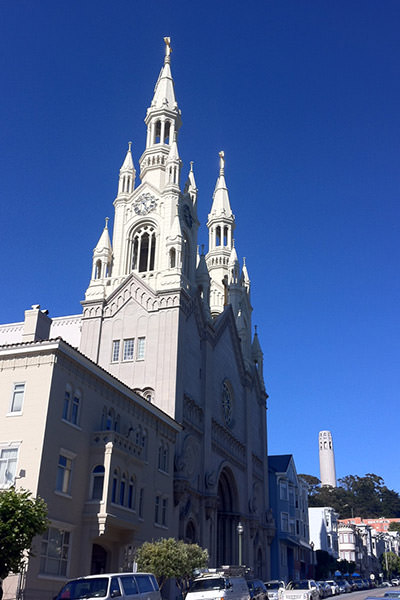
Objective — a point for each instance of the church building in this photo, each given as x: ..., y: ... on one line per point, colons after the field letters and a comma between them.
x: 166, y: 339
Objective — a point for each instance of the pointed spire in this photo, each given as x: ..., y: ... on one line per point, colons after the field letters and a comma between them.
x: 202, y: 274
x: 221, y: 205
x: 176, y: 230
x: 127, y: 174
x: 191, y: 179
x: 173, y: 154
x: 127, y: 165
x: 164, y: 94
x: 245, y: 276
x: 257, y: 354
x: 104, y: 242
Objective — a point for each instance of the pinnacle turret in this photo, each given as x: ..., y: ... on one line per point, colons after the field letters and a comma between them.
x: 221, y: 205
x: 127, y: 174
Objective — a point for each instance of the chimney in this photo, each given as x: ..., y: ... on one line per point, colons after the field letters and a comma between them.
x: 36, y: 325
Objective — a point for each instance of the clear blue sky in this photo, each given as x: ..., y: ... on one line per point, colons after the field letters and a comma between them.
x: 304, y: 98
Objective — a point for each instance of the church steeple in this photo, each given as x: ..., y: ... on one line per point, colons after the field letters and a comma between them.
x: 127, y: 174
x: 221, y: 224
x: 163, y: 120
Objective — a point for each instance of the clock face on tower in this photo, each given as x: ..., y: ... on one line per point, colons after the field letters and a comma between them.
x: 145, y: 204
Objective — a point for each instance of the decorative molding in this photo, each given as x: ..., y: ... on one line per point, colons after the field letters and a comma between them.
x: 193, y: 413
x: 227, y: 444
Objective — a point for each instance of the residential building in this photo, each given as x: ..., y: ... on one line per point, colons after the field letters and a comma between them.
x: 99, y: 454
x: 291, y: 553
x: 323, y: 522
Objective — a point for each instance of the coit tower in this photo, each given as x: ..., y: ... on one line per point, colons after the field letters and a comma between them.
x: 326, y: 459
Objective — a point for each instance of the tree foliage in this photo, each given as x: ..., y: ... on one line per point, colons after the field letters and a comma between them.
x: 346, y: 567
x: 21, y: 518
x: 390, y: 564
x: 355, y: 496
x: 394, y: 527
x: 170, y: 558
x: 326, y: 565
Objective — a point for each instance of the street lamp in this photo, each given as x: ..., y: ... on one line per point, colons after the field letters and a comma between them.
x: 240, y: 530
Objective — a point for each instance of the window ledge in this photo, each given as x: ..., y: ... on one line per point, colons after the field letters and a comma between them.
x: 15, y: 413
x: 62, y: 494
x: 52, y: 577
x: 77, y: 427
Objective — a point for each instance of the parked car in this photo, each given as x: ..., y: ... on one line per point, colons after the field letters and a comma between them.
x: 395, y: 581
x: 325, y: 588
x: 344, y: 586
x: 138, y: 586
x: 257, y: 589
x: 334, y: 587
x: 392, y: 594
x: 209, y: 586
x: 274, y: 587
x: 304, y: 589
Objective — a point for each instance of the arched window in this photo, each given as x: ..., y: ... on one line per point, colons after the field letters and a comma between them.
x: 225, y: 236
x: 76, y: 400
x: 122, y: 487
x: 158, y: 132
x: 97, y: 482
x: 167, y: 130
x: 218, y: 235
x: 132, y: 493
x: 110, y: 419
x: 172, y: 258
x: 97, y: 272
x: 143, y: 249
x: 114, y: 486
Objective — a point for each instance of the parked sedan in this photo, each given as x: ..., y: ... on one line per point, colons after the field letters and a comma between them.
x: 308, y: 585
x: 334, y: 587
x: 325, y: 588
x: 273, y: 588
x: 344, y: 586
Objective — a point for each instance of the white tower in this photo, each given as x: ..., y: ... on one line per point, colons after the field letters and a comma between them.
x: 326, y: 459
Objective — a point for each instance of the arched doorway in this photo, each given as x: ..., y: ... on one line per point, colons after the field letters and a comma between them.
x: 190, y: 536
x: 99, y: 560
x: 227, y: 520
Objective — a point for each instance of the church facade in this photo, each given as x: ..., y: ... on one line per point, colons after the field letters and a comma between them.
x: 173, y: 325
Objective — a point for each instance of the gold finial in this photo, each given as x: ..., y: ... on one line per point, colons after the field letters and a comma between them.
x: 168, y: 49
x: 221, y: 162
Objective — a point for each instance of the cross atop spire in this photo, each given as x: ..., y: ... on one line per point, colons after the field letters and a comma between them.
x: 222, y: 163
x: 168, y: 50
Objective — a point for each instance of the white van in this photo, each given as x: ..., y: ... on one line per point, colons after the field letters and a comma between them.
x: 213, y: 586
x: 125, y: 586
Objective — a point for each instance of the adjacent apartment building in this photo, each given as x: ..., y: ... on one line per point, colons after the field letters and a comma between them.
x: 291, y: 553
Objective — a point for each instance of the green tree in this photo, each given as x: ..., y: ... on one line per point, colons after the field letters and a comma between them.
x: 326, y: 565
x: 394, y: 527
x: 21, y: 518
x: 356, y: 496
x: 343, y: 566
x: 390, y: 564
x: 170, y: 558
